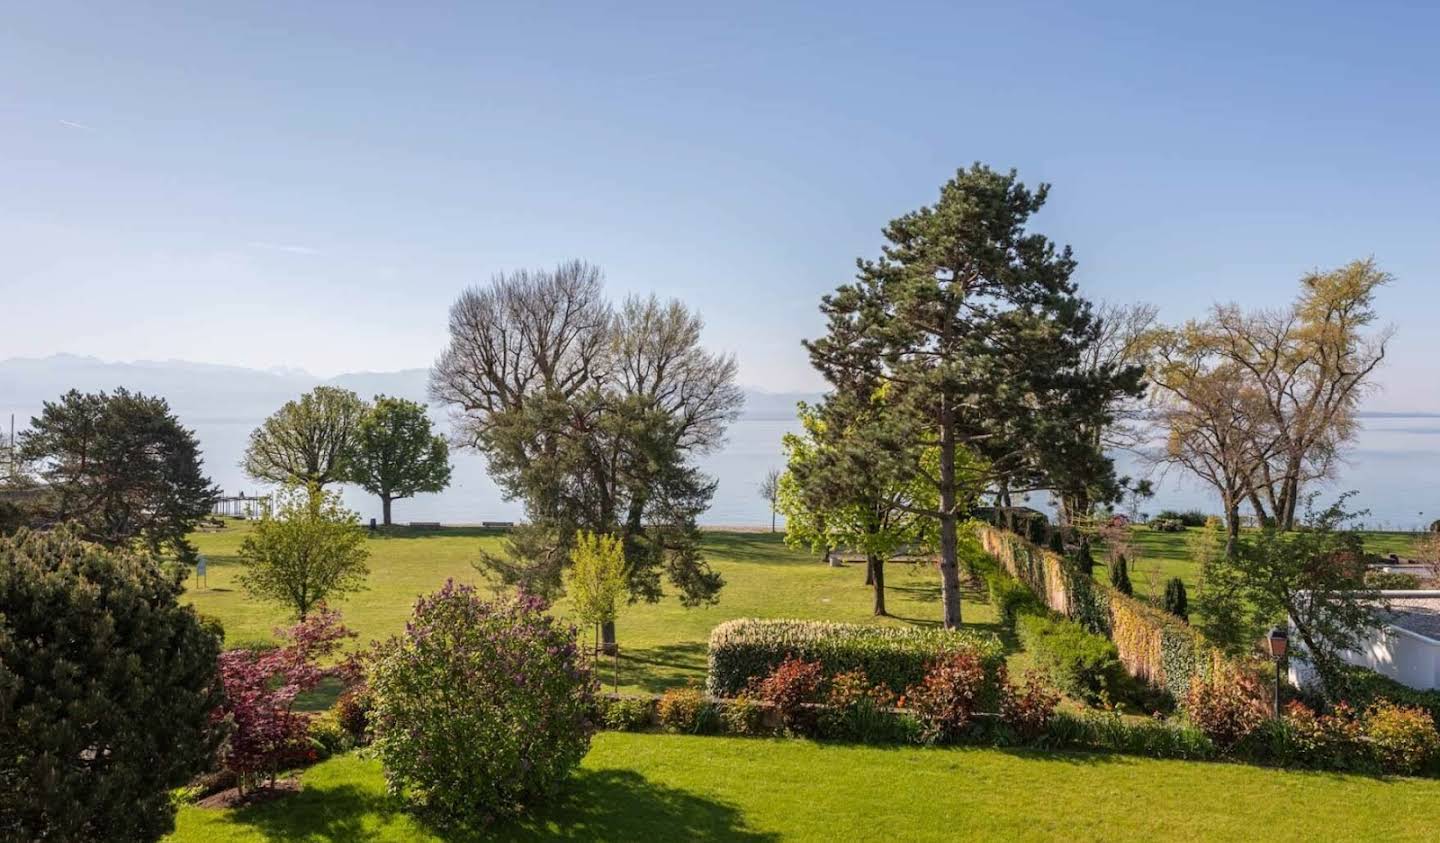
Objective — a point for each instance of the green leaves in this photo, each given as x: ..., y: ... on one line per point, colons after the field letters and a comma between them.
x: 308, y: 548
x: 396, y: 453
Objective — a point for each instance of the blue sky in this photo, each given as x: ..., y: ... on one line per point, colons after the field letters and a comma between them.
x: 310, y: 184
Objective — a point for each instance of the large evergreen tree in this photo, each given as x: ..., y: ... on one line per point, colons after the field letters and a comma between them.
x: 397, y: 454
x: 107, y: 687
x: 975, y: 326
x: 120, y: 466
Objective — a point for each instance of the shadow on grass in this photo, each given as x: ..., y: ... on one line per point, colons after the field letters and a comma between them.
x: 752, y: 547
x: 384, y: 533
x: 596, y: 805
x: 656, y: 668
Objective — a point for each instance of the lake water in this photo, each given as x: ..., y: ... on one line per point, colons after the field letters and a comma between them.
x: 1394, y: 468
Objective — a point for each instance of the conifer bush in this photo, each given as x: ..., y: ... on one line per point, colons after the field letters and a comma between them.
x: 1120, y: 576
x: 481, y: 708
x: 106, y: 690
x: 1177, y: 602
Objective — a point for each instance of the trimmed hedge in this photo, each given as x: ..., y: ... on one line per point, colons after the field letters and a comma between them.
x: 896, y: 657
x: 1078, y: 661
x: 1155, y: 646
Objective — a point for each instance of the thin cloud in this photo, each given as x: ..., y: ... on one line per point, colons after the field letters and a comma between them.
x: 81, y: 126
x: 288, y: 248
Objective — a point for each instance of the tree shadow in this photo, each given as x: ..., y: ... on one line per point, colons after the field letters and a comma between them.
x: 595, y: 805
x: 624, y: 805
x: 646, y: 666
x: 400, y: 532
x: 751, y: 547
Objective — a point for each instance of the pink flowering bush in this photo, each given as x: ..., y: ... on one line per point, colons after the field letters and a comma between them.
x: 481, y: 708
x: 266, y: 734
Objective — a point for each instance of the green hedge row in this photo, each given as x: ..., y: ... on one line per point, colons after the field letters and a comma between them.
x: 1364, y: 687
x: 748, y: 648
x: 1079, y: 662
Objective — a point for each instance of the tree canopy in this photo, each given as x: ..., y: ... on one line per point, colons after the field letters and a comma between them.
x: 397, y: 455
x: 309, y: 442
x: 973, y: 323
x: 121, y: 467
x: 592, y: 416
x: 306, y: 549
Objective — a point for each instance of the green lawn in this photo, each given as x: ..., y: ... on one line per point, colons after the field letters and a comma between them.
x: 663, y: 787
x: 1160, y: 556
x: 662, y: 644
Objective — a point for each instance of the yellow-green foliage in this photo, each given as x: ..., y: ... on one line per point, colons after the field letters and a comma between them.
x: 1154, y: 646
x: 598, y: 576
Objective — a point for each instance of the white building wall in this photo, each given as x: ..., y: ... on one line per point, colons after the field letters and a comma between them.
x: 1407, y: 657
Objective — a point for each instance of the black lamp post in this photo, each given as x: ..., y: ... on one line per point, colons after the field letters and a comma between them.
x: 1277, y: 640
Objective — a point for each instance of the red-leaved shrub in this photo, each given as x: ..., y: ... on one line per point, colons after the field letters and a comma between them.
x: 789, y: 688
x: 945, y: 702
x: 266, y: 734
x: 1027, y: 709
x: 1227, y: 708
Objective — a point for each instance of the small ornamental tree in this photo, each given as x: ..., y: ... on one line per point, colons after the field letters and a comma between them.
x: 397, y: 454
x: 266, y: 734
x: 1177, y: 602
x: 106, y: 687
x: 598, y: 579
x: 1120, y: 576
x: 308, y: 549
x: 481, y: 708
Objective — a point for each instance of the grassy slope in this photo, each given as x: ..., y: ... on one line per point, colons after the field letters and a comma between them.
x: 662, y: 644
x: 637, y: 787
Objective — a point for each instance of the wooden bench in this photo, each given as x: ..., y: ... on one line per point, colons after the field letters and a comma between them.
x: 424, y: 525
x: 498, y: 524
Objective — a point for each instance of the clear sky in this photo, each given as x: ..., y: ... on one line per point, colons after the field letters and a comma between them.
x: 310, y: 184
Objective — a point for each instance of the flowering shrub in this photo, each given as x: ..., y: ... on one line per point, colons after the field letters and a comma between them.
x: 945, y: 702
x: 744, y: 715
x: 685, y: 710
x: 1028, y: 709
x: 1404, y: 739
x: 857, y: 710
x: 1226, y: 708
x: 789, y: 688
x: 481, y: 708
x: 260, y: 687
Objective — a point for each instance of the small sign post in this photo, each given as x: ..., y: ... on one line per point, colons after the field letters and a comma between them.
x: 200, y: 579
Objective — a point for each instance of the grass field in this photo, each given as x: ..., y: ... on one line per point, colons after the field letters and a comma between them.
x: 662, y: 644
x: 668, y: 787
x: 1160, y: 556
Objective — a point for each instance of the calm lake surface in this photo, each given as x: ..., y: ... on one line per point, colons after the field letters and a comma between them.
x: 1394, y: 469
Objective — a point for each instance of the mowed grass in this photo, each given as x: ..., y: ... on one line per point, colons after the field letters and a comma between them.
x: 671, y: 787
x: 662, y: 644
x: 1161, y: 556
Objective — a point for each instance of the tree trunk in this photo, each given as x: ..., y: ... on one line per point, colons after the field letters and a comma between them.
x: 870, y: 573
x: 385, y: 507
x: 1232, y: 527
x: 607, y: 638
x: 877, y: 579
x: 772, y: 517
x: 1259, y: 508
x: 949, y: 570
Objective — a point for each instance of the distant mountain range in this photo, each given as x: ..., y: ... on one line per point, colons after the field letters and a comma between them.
x: 206, y: 392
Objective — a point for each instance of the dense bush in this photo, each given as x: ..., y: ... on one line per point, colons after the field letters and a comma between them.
x: 685, y: 710
x: 1079, y: 662
x: 326, y: 736
x: 896, y: 657
x: 856, y: 710
x: 352, y: 711
x: 265, y: 733
x: 946, y: 701
x: 1404, y: 739
x: 1010, y: 597
x: 790, y: 689
x: 1363, y: 688
x: 1028, y: 709
x: 1391, y: 581
x: 1188, y: 518
x: 744, y: 715
x: 1167, y: 525
x: 1226, y: 708
x: 481, y: 708
x: 95, y: 651
x: 626, y: 714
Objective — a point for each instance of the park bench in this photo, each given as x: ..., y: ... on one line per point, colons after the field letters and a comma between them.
x: 424, y: 525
